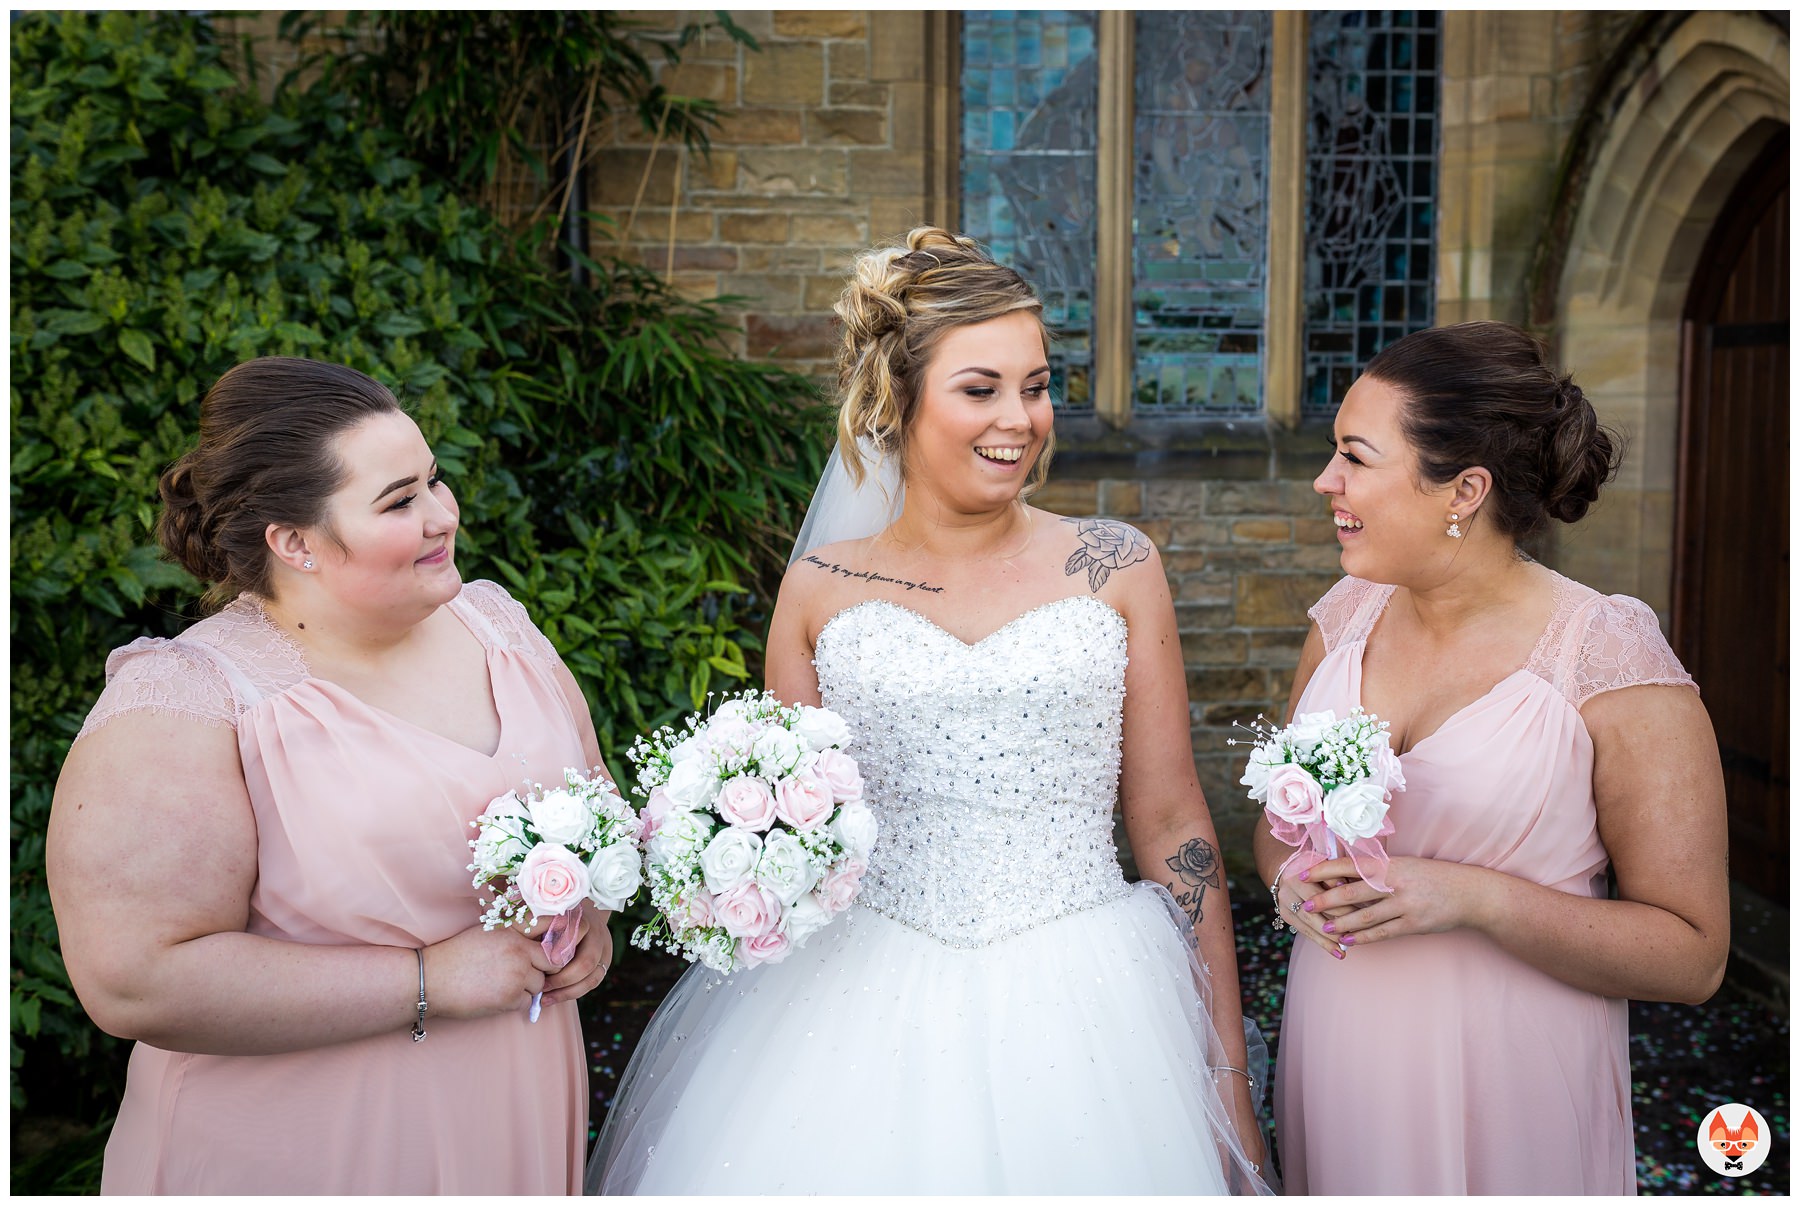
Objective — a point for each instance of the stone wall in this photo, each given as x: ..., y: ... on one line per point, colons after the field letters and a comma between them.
x: 822, y: 151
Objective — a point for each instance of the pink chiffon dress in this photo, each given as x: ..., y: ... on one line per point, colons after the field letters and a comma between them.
x: 362, y: 826
x: 1439, y: 1063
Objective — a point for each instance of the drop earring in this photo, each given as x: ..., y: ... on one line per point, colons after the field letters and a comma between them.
x: 1454, y: 532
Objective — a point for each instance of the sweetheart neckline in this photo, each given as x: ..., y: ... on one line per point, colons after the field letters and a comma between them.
x: 968, y: 645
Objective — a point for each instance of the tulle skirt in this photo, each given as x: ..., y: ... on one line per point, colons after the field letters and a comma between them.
x: 1072, y: 1058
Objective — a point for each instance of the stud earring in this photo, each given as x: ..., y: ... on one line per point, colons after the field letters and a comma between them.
x: 307, y: 564
x: 1454, y: 532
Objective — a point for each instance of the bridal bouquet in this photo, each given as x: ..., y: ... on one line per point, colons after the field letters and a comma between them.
x: 755, y: 833
x: 1323, y: 781
x: 543, y: 853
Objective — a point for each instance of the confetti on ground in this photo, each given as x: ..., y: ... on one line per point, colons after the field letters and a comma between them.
x: 1685, y: 1059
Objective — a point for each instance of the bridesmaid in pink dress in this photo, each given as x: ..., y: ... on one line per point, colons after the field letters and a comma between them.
x: 1466, y: 1034
x: 258, y: 845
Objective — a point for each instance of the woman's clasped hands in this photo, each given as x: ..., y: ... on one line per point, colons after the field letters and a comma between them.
x: 481, y: 972
x: 1339, y: 910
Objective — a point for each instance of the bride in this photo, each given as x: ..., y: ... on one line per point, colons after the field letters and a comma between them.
x: 1000, y: 1012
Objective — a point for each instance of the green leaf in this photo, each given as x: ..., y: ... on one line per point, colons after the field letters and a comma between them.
x: 137, y: 345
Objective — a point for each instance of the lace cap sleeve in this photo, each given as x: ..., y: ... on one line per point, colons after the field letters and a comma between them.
x: 507, y: 619
x: 1616, y: 643
x: 176, y: 677
x: 1345, y: 612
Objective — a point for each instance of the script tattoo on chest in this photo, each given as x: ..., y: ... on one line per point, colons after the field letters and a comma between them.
x: 1196, y: 868
x: 1106, y: 545
x: 870, y: 575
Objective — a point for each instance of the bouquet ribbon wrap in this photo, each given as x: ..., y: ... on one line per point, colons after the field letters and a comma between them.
x: 1318, y: 844
x: 559, y: 941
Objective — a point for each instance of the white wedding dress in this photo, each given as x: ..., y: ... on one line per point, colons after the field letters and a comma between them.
x: 1000, y: 1012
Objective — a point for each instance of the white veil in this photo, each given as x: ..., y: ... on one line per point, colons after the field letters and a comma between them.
x: 842, y: 510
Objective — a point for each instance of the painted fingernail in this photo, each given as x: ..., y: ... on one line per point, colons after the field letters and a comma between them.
x: 1338, y: 953
x: 1348, y: 940
x: 1308, y: 906
x: 1306, y: 875
x: 1328, y: 928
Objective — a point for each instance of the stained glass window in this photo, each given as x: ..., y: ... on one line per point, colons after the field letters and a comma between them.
x: 1030, y: 101
x: 1200, y: 212
x: 1371, y: 203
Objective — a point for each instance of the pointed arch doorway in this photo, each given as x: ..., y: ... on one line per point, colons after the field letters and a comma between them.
x: 1730, y: 589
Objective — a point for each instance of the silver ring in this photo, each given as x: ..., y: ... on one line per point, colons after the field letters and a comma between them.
x: 1294, y: 907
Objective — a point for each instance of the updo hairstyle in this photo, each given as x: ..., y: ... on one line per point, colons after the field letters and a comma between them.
x: 898, y: 303
x: 265, y: 456
x: 1482, y: 393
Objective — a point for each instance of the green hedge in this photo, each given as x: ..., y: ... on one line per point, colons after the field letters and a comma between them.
x: 621, y: 473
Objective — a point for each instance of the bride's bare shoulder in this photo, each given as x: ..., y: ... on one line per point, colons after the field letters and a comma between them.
x: 1095, y: 549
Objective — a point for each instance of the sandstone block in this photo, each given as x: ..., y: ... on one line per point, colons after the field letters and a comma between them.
x: 707, y: 81
x: 1277, y: 600
x: 790, y: 337
x: 1213, y: 648
x: 794, y: 261
x: 829, y: 230
x: 811, y: 24
x: 888, y: 173
x: 1268, y: 531
x: 1121, y: 499
x: 1228, y: 684
x: 858, y: 95
x: 847, y: 62
x: 1072, y: 497
x: 785, y: 74
x: 804, y: 172
x: 762, y: 127
x: 846, y: 127
x: 780, y: 294
x: 753, y: 228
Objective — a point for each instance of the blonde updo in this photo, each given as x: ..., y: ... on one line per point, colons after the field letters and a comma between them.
x: 898, y: 303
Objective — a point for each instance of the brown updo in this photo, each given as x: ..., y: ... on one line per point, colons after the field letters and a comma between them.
x: 265, y: 456
x: 1483, y: 393
x: 898, y: 303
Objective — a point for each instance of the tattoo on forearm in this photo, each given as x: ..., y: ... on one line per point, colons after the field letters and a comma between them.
x: 870, y: 575
x: 1106, y: 545
x: 1196, y: 868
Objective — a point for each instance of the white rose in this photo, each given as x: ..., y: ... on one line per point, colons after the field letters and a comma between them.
x: 617, y: 872
x: 821, y: 728
x: 1308, y: 729
x: 804, y: 918
x: 562, y: 817
x: 500, y: 836
x: 784, y: 867
x: 729, y: 860
x: 855, y: 829
x: 691, y: 783
x: 777, y: 751
x: 732, y: 709
x: 1356, y: 810
x: 680, y: 834
x: 1263, y: 760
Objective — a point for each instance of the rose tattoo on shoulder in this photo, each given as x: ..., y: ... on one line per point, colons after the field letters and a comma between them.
x: 1106, y: 545
x: 1196, y: 868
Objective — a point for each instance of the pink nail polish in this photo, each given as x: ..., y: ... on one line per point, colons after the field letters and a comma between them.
x: 1327, y: 927
x: 1348, y: 940
x: 1338, y: 954
x: 1308, y: 906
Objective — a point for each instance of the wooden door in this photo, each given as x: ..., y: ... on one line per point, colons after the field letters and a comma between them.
x: 1731, y: 552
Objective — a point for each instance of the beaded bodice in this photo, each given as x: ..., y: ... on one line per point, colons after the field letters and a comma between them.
x: 992, y: 768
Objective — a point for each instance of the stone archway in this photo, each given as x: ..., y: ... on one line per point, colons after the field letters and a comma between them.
x: 1695, y: 118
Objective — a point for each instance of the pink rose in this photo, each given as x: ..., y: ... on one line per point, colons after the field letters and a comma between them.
x: 552, y: 880
x: 1386, y: 767
x: 748, y: 910
x: 730, y: 736
x: 693, y: 909
x: 747, y: 803
x: 1294, y: 802
x: 841, y: 884
x: 838, y: 771
x: 803, y: 801
x: 771, y: 947
x: 656, y: 809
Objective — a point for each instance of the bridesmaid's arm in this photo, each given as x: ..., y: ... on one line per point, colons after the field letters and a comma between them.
x: 151, y: 860
x: 1166, y: 818
x: 1660, y: 799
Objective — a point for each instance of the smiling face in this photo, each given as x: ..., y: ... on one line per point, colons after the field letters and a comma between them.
x: 1389, y: 527
x: 394, y: 519
x: 983, y: 413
